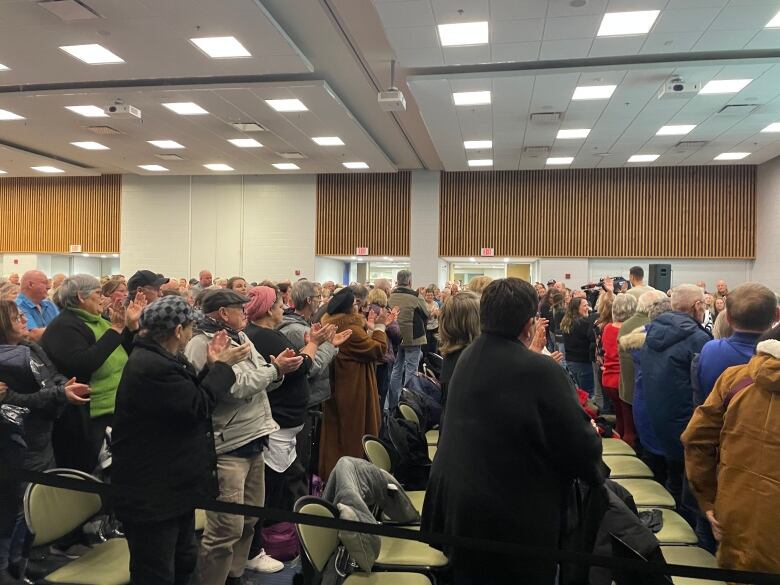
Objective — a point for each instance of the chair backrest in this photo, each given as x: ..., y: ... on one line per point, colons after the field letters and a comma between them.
x: 52, y: 512
x: 376, y: 453
x: 408, y: 413
x: 318, y: 543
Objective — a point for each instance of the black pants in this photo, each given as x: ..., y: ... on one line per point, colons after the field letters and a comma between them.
x: 383, y: 382
x: 162, y: 553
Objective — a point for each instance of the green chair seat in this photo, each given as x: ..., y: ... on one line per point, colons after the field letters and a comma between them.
x: 432, y: 437
x: 693, y: 556
x: 431, y: 452
x: 387, y: 579
x: 616, y: 447
x: 397, y: 552
x: 107, y: 563
x: 626, y: 466
x: 675, y: 530
x: 417, y: 499
x: 200, y: 520
x: 647, y: 493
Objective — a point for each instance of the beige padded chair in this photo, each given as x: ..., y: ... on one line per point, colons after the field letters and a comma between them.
x: 693, y: 556
x: 676, y: 531
x: 616, y: 447
x: 51, y: 513
x: 377, y: 454
x: 200, y: 520
x: 648, y: 493
x: 431, y: 437
x: 320, y: 543
x: 627, y: 466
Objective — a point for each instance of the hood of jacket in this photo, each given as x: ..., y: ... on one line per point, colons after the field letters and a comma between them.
x: 765, y: 367
x: 633, y: 341
x: 669, y: 329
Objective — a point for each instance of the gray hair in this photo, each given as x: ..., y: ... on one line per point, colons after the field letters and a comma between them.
x: 662, y: 305
x: 301, y: 291
x: 647, y: 299
x: 76, y: 287
x: 623, y: 307
x: 685, y: 296
x: 404, y: 277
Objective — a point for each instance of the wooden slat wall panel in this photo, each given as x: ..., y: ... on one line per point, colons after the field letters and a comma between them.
x: 647, y: 212
x: 48, y: 214
x: 363, y: 210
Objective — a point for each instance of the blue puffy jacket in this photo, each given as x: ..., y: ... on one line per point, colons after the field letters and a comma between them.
x: 672, y: 341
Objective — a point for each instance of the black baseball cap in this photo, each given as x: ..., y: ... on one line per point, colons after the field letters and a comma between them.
x: 145, y: 278
x: 213, y: 300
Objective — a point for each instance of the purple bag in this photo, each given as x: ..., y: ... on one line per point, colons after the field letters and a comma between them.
x: 280, y: 541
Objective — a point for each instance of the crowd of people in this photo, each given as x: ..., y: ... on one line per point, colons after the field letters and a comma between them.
x: 241, y: 391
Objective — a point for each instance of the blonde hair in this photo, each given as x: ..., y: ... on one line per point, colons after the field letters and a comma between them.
x: 458, y: 322
x: 478, y: 284
x: 377, y: 297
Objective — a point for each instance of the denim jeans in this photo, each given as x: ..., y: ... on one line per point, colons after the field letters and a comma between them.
x: 702, y: 528
x: 583, y: 373
x: 407, y: 360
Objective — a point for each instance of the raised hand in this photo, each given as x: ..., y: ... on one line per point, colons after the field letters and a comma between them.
x: 394, y: 312
x: 3, y: 390
x: 539, y: 340
x: 341, y: 337
x: 218, y: 350
x: 319, y: 334
x: 118, y: 317
x: 384, y: 317
x: 557, y: 356
x: 287, y: 361
x: 77, y: 393
x: 370, y: 320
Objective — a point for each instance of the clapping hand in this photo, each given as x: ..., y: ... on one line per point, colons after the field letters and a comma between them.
x: 539, y: 340
x: 319, y: 334
x: 371, y: 320
x: 557, y: 356
x: 287, y: 361
x: 221, y: 350
x: 393, y: 315
x: 3, y: 390
x: 341, y: 337
x: 134, y: 310
x: 118, y: 317
x: 77, y: 393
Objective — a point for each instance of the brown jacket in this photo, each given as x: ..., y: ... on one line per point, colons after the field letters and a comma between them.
x: 353, y: 408
x: 732, y: 458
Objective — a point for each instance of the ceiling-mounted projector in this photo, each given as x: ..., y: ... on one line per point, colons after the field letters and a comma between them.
x: 677, y: 88
x: 392, y: 100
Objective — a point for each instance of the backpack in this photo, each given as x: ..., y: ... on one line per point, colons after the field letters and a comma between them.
x: 428, y: 412
x: 408, y: 449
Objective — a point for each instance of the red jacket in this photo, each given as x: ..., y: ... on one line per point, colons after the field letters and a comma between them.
x: 610, y: 371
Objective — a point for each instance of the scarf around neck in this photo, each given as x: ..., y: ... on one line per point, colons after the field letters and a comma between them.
x: 211, y: 325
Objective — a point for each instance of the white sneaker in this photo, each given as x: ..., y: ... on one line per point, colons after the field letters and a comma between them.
x: 262, y: 563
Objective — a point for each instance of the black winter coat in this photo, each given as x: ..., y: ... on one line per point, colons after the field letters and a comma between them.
x: 162, y: 438
x: 514, y: 437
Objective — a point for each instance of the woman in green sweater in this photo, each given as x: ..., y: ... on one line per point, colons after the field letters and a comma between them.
x: 84, y: 345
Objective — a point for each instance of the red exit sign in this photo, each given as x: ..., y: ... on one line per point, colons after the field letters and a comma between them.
x: 361, y: 252
x: 487, y: 252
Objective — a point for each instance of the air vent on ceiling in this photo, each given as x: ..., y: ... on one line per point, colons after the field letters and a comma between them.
x: 691, y: 145
x: 103, y: 130
x: 546, y: 116
x: 737, y: 109
x: 291, y: 155
x: 249, y: 127
x: 69, y: 10
x: 536, y: 150
x: 166, y: 156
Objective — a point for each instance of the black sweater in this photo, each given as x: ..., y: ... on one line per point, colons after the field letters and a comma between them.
x: 579, y: 342
x: 289, y: 401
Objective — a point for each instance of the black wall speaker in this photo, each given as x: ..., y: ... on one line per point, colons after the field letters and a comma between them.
x: 661, y: 276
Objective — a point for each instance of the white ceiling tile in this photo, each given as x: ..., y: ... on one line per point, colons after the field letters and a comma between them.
x: 432, y: 57
x: 515, y: 52
x: 632, y: 5
x: 416, y: 37
x: 608, y: 47
x: 765, y: 39
x: 753, y: 17
x: 669, y: 42
x: 694, y: 19
x: 446, y: 11
x: 515, y: 31
x: 466, y: 55
x: 406, y: 14
x: 680, y: 4
x: 572, y: 27
x: 570, y: 49
x: 564, y: 8
x: 512, y: 9
x: 724, y: 40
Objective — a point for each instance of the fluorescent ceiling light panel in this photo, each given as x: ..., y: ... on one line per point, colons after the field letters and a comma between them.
x: 6, y: 115
x: 92, y: 54
x: 218, y: 167
x: 675, y: 130
x: 289, y: 105
x: 594, y: 92
x: 245, y: 142
x: 775, y: 127
x: 463, y: 33
x: 155, y: 168
x: 640, y: 158
x: 47, y: 169
x: 2, y: 172
x: 732, y: 156
x: 221, y: 47
x: 724, y: 86
x: 328, y: 140
x: 4, y: 67
x: 286, y: 166
x: 89, y: 145
x: 481, y: 162
x: 88, y: 111
x: 471, y: 98
x: 560, y: 160
x: 355, y: 165
x: 186, y: 108
x: 165, y: 144
x: 573, y: 133
x: 775, y: 22
x: 477, y: 144
x: 638, y: 22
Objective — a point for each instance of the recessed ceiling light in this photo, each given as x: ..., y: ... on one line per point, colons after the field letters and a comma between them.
x: 481, y: 162
x: 2, y: 172
x: 573, y: 133
x: 245, y: 142
x: 675, y: 130
x: 289, y: 105
x: 90, y: 145
x: 286, y: 166
x: 4, y: 67
x: 221, y: 47
x: 471, y: 98
x: 186, y: 108
x: 560, y: 160
x: 638, y: 158
x: 88, y: 111
x: 594, y: 92
x: 637, y: 22
x: 156, y: 168
x: 328, y: 140
x: 732, y: 156
x: 6, y: 115
x: 775, y: 127
x: 477, y: 144
x: 47, y: 169
x: 506, y: 259
x: 463, y: 33
x: 725, y: 86
x: 218, y: 167
x: 472, y: 259
x: 92, y: 54
x: 775, y: 22
x: 165, y: 144
x: 355, y: 165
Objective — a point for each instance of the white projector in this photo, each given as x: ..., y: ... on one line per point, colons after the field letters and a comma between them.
x: 677, y: 88
x: 122, y: 111
x: 392, y: 100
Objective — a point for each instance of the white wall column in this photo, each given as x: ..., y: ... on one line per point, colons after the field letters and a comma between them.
x: 424, y: 228
x: 766, y: 268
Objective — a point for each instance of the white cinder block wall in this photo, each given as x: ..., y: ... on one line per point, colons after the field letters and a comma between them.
x: 766, y: 268
x: 424, y: 228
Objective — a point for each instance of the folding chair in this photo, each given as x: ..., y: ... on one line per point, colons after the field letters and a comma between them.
x: 431, y: 437
x: 52, y: 512
x: 648, y: 493
x: 676, y: 531
x: 616, y: 447
x: 377, y: 454
x: 626, y: 466
x: 693, y: 556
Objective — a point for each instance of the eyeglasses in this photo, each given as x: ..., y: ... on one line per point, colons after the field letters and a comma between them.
x: 20, y: 318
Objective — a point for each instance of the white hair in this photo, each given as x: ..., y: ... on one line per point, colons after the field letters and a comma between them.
x: 685, y: 296
x: 647, y: 299
x: 76, y: 288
